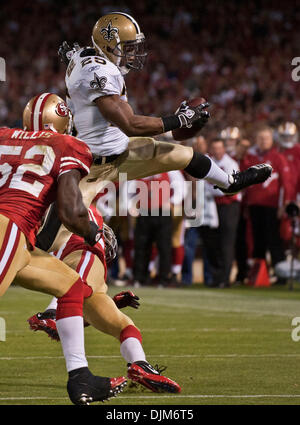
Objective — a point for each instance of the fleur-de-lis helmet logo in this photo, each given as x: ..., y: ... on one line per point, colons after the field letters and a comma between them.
x: 109, y: 32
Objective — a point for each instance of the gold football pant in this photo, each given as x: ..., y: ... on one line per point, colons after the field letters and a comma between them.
x: 144, y: 157
x: 38, y: 270
x: 99, y: 309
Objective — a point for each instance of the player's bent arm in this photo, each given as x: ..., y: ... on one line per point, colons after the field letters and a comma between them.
x: 118, y: 112
x: 71, y: 210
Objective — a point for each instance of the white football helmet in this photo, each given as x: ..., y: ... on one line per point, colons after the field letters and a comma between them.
x: 230, y: 135
x: 287, y: 135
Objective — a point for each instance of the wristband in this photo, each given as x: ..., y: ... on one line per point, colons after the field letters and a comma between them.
x: 171, y: 123
x: 94, y: 235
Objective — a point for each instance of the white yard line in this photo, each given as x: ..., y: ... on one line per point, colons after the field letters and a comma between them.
x: 170, y: 356
x: 219, y: 329
x: 233, y: 310
x: 175, y: 397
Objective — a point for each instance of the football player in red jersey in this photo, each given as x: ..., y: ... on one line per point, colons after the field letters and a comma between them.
x: 267, y: 203
x: 288, y: 146
x: 99, y: 309
x: 38, y: 168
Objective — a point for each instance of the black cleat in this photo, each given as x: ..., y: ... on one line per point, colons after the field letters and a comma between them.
x: 242, y: 179
x: 85, y: 388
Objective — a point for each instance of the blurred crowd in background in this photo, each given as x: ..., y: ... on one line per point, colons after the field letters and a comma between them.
x: 236, y: 231
x: 238, y: 56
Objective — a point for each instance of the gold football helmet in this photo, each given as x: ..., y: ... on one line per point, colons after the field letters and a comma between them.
x: 118, y: 37
x: 47, y: 111
x: 287, y: 135
x: 230, y: 135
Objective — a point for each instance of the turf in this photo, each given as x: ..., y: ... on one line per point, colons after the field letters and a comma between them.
x: 230, y: 346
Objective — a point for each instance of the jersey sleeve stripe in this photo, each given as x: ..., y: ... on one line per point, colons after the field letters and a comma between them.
x: 75, y: 165
x: 70, y: 158
x: 64, y: 164
x: 64, y: 172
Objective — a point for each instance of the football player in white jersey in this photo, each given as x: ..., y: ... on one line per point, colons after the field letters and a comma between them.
x: 120, y: 140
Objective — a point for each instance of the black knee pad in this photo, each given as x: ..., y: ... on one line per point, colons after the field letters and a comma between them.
x: 199, y: 166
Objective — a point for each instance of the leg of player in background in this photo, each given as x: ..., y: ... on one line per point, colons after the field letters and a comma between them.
x: 178, y: 231
x: 15, y: 258
x: 14, y: 255
x: 46, y: 273
x: 102, y: 313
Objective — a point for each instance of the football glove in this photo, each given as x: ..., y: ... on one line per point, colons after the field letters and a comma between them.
x: 188, y: 115
x: 94, y: 235
x: 65, y: 51
x: 126, y: 299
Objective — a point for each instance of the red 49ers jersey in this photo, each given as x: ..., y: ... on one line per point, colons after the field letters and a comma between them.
x: 292, y: 156
x: 76, y: 243
x: 269, y: 193
x: 30, y: 164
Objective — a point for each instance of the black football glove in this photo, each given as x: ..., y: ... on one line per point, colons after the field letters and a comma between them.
x: 65, y: 51
x: 189, y: 115
x: 126, y: 299
x: 94, y: 235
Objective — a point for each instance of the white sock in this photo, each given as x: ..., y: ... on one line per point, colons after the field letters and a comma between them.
x: 71, y: 334
x: 132, y: 350
x: 176, y: 268
x: 53, y: 304
x: 217, y: 176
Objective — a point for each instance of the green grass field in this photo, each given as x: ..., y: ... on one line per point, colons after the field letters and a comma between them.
x: 229, y: 346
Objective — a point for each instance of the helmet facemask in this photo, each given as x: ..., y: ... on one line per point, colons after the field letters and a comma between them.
x: 130, y: 54
x: 287, y: 135
x: 111, y: 244
x: 287, y: 140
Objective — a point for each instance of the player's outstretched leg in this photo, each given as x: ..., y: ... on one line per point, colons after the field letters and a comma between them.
x: 139, y: 370
x: 151, y: 378
x: 202, y: 167
x: 85, y: 388
x: 253, y: 175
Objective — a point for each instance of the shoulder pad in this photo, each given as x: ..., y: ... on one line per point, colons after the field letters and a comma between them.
x: 88, y: 51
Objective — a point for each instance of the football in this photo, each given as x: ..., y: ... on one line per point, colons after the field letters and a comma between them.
x: 185, y: 133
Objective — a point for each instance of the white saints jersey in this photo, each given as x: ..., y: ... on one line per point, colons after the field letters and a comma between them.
x: 88, y: 78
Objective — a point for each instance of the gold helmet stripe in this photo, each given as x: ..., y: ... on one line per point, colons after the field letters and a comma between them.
x: 37, y: 111
x: 137, y: 27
